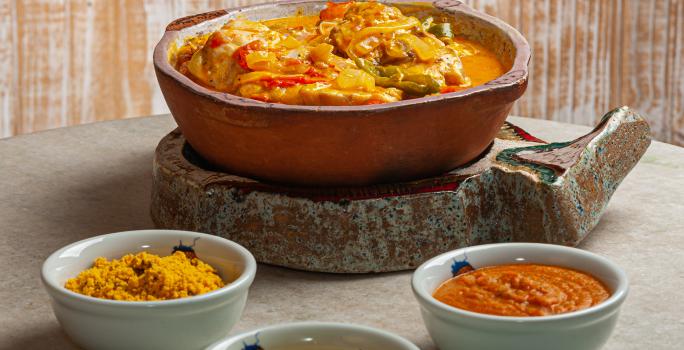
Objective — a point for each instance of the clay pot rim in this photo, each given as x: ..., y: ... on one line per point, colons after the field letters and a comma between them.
x: 517, y: 75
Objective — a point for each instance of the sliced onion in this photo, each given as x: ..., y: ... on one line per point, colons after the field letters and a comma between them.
x: 261, y: 60
x: 423, y: 50
x: 321, y: 52
x: 349, y: 79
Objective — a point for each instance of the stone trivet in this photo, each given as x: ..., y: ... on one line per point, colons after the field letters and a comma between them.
x: 522, y: 189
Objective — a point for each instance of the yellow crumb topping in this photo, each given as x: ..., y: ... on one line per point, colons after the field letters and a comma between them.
x: 145, y: 277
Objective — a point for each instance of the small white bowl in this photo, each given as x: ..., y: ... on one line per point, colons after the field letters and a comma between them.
x: 312, y: 335
x: 455, y: 329
x: 186, y: 323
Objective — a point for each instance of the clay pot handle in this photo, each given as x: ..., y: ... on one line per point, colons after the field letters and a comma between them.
x: 193, y: 20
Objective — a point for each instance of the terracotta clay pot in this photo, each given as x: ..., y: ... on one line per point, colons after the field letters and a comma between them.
x: 349, y: 145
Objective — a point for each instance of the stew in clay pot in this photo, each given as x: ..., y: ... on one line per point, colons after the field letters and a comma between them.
x: 352, y: 53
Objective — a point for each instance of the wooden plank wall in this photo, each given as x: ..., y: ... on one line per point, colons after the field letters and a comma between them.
x: 591, y: 56
x: 67, y: 62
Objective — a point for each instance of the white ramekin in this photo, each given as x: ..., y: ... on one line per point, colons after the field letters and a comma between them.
x: 456, y: 329
x: 186, y: 323
x: 310, y: 334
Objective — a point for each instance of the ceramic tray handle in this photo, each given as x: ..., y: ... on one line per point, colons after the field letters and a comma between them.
x: 556, y: 192
x: 622, y: 132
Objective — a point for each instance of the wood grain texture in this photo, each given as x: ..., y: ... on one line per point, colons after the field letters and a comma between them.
x: 67, y: 62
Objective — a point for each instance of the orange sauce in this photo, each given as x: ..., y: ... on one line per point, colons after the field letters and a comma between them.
x: 483, y: 66
x: 522, y: 290
x: 480, y: 64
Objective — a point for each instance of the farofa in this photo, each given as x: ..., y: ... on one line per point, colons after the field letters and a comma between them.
x: 146, y: 277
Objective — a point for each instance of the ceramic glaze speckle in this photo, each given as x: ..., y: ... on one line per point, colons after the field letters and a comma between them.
x: 397, y: 226
x: 461, y: 266
x: 254, y: 345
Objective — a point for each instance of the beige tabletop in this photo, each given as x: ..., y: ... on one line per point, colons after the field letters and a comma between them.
x: 60, y: 186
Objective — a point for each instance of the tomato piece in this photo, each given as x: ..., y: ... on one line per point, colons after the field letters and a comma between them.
x: 448, y: 89
x: 216, y: 41
x: 240, y: 55
x: 313, y: 73
x: 292, y: 61
x: 335, y: 10
x: 287, y: 81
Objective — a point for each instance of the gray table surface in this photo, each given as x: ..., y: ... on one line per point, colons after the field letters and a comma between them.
x: 60, y: 186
